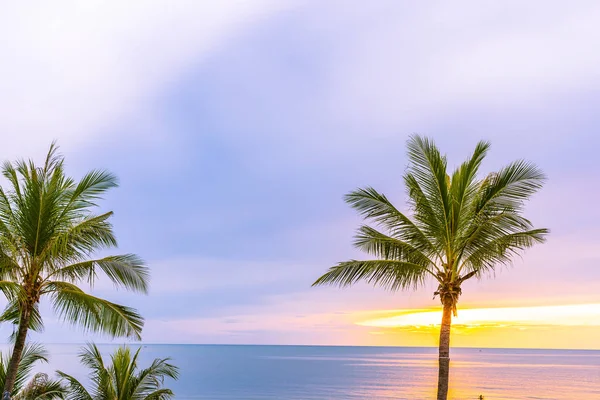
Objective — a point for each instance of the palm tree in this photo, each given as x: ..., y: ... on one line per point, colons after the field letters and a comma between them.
x: 40, y: 387
x: 48, y: 238
x: 121, y: 380
x: 460, y: 227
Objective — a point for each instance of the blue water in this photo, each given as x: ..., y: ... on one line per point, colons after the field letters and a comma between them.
x: 306, y: 373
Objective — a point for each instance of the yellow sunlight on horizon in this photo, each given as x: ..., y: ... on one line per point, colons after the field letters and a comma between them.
x: 558, y: 326
x: 569, y: 315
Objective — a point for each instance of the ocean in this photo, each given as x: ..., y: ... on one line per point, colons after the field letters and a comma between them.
x: 217, y: 372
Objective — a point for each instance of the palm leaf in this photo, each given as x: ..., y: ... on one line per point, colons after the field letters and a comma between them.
x: 92, y: 313
x: 161, y: 394
x: 75, y: 390
x: 428, y: 167
x: 42, y: 388
x: 89, y: 189
x: 389, y: 274
x: 126, y: 270
x: 386, y: 247
x: 501, y: 250
x: 510, y: 187
x: 375, y: 206
x: 100, y: 374
x: 150, y: 379
x: 12, y: 314
x: 84, y: 236
x: 463, y: 189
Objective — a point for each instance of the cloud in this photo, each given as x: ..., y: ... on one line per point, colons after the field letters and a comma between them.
x: 71, y: 70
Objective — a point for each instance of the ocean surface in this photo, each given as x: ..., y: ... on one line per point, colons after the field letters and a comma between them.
x: 306, y: 373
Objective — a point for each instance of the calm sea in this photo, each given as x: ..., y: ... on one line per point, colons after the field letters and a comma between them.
x: 306, y: 373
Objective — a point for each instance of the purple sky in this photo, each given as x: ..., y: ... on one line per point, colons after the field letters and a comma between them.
x: 236, y: 128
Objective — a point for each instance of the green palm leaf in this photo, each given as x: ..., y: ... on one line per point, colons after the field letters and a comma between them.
x: 428, y: 168
x: 389, y: 274
x: 75, y: 390
x: 41, y: 387
x: 126, y: 270
x: 92, y: 313
x: 386, y: 247
x: 161, y: 394
x: 376, y: 207
x: 89, y: 234
x: 12, y: 314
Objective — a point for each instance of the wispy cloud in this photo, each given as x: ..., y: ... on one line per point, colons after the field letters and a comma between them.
x: 72, y: 70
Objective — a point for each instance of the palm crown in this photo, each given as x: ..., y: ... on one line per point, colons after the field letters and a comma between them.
x: 460, y: 226
x: 121, y: 379
x: 48, y: 237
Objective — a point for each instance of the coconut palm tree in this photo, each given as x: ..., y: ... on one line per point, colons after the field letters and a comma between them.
x: 49, y: 235
x: 460, y: 226
x: 40, y: 387
x: 121, y: 380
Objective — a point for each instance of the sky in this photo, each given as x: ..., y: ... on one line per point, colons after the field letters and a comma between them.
x: 236, y: 127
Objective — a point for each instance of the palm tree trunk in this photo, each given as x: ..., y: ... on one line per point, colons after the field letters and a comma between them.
x: 13, y: 365
x: 444, y: 357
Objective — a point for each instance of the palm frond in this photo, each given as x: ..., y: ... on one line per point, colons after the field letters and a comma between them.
x: 41, y: 387
x: 12, y: 290
x: 9, y: 263
x: 376, y: 207
x: 83, y: 237
x: 161, y: 394
x: 41, y: 201
x: 91, y: 358
x: 386, y: 247
x: 463, y: 189
x: 429, y: 221
x: 501, y: 250
x: 122, y: 370
x: 7, y: 215
x: 92, y: 313
x: 389, y: 274
x: 101, y: 376
x: 75, y: 390
x: 126, y: 270
x: 12, y: 314
x: 509, y: 188
x: 428, y: 168
x: 10, y: 173
x: 152, y: 378
x: 89, y: 189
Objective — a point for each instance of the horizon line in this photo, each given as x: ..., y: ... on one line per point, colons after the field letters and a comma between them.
x: 310, y: 345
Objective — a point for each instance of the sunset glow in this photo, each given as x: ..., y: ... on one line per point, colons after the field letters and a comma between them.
x: 565, y: 315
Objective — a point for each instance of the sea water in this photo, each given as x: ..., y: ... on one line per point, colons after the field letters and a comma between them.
x: 217, y: 372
